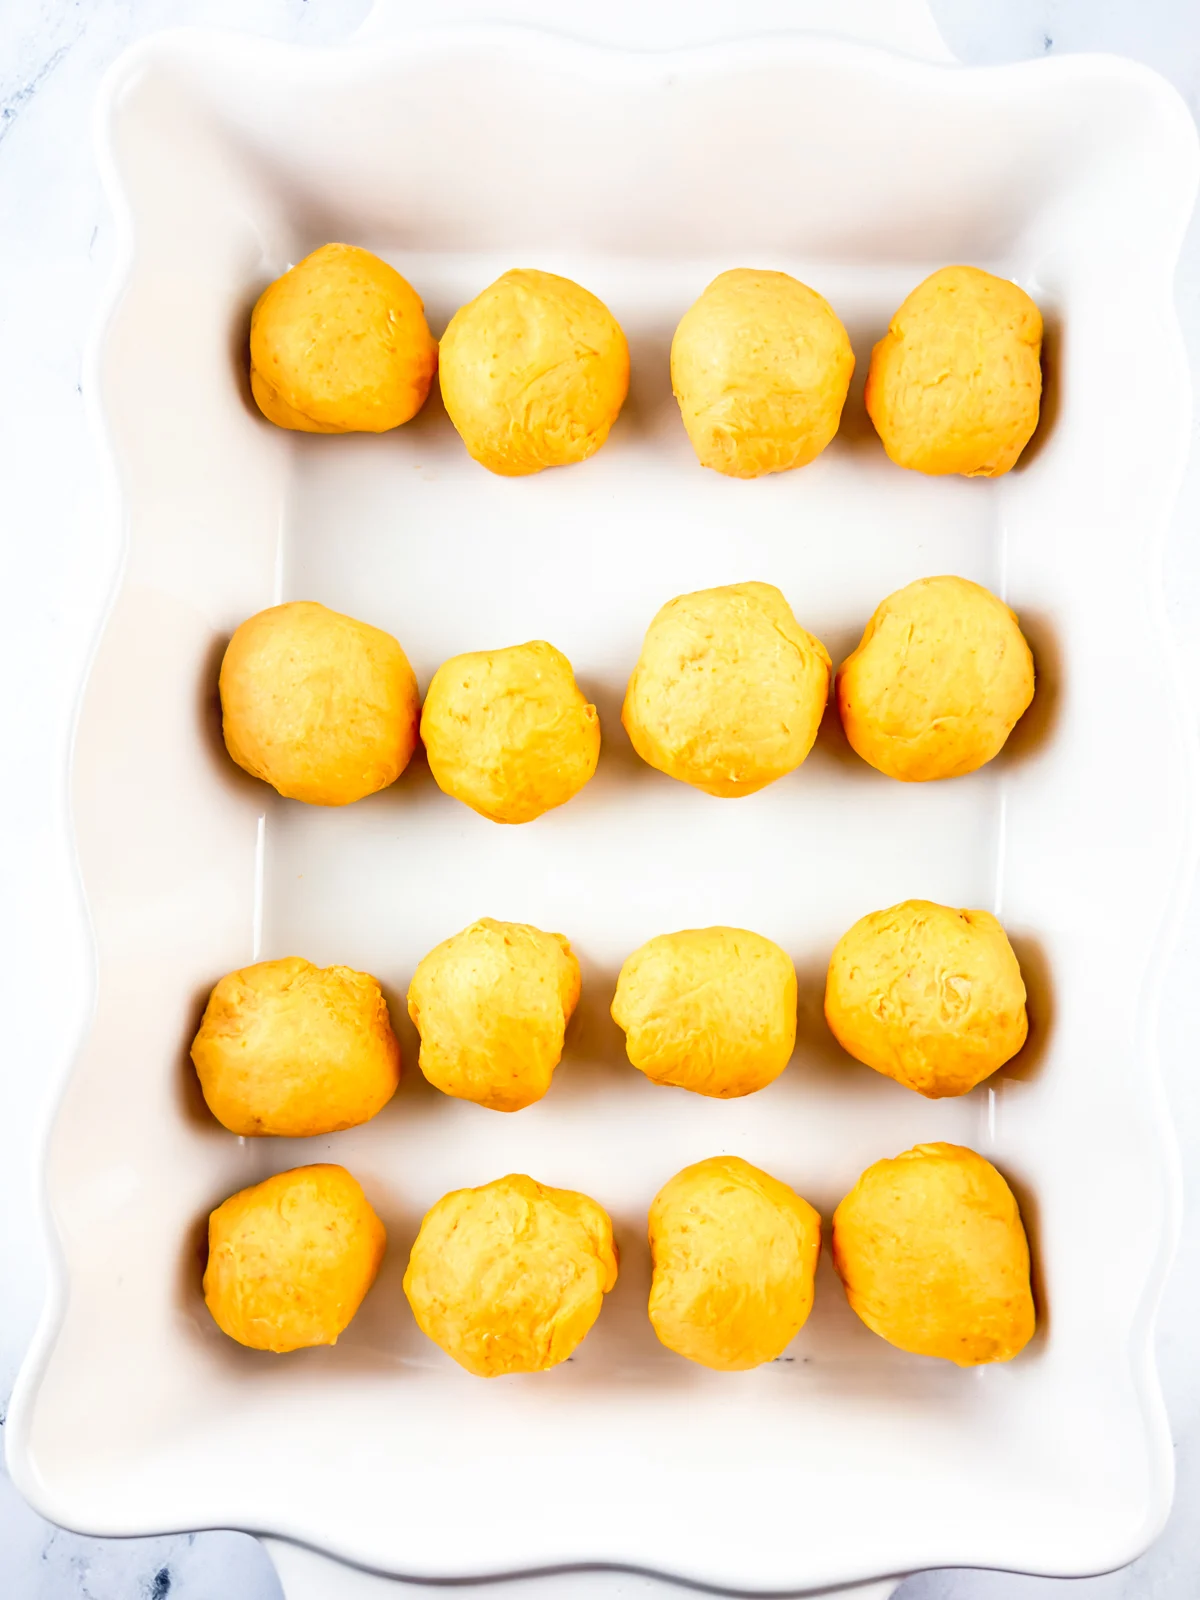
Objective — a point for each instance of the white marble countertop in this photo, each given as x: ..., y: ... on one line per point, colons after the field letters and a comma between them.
x: 53, y: 264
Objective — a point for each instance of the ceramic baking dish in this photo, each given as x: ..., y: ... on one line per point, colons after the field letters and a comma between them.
x: 456, y: 155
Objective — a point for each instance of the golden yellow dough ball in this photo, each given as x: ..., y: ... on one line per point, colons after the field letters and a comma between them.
x: 290, y: 1049
x: 932, y: 1251
x: 320, y: 706
x: 290, y: 1259
x: 729, y: 690
x: 509, y: 1277
x: 940, y: 679
x: 760, y: 366
x: 491, y: 1005
x: 734, y: 1254
x: 709, y: 1009
x: 340, y: 344
x: 508, y: 732
x: 534, y: 372
x: 928, y: 995
x: 956, y: 382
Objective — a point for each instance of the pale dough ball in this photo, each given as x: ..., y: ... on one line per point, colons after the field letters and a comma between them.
x: 340, y: 345
x: 491, y: 1005
x: 290, y: 1049
x: 728, y: 691
x: 290, y: 1259
x: 928, y: 995
x: 508, y: 732
x: 533, y: 372
x: 932, y: 1251
x: 940, y: 679
x: 956, y: 382
x: 709, y: 1009
x: 760, y: 366
x: 320, y: 706
x: 509, y: 1277
x: 734, y: 1254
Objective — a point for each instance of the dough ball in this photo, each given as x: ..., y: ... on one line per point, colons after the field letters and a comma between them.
x: 933, y: 1255
x: 734, y: 1254
x: 941, y: 678
x: 340, y: 345
x: 491, y: 1005
x: 728, y: 691
x: 290, y: 1259
x: 534, y: 372
x: 508, y: 732
x: 709, y: 1009
x: 956, y: 382
x: 927, y: 995
x: 295, y: 1050
x: 760, y: 366
x: 320, y: 706
x: 510, y: 1277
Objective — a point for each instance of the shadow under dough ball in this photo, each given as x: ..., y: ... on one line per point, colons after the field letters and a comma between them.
x: 760, y: 366
x: 339, y: 344
x: 735, y: 1252
x: 933, y: 1255
x: 492, y: 1004
x: 510, y: 1277
x: 955, y: 385
x: 728, y: 691
x: 320, y: 706
x: 534, y: 372
x: 291, y: 1259
x: 940, y: 679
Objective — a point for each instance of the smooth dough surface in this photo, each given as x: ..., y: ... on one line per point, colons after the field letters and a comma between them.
x: 708, y: 1009
x: 534, y: 372
x: 508, y: 732
x: 290, y: 1049
x: 320, y: 706
x: 734, y: 1254
x: 339, y: 344
x: 760, y: 366
x: 290, y: 1259
x: 491, y: 1005
x: 729, y: 690
x: 940, y: 679
x: 955, y: 385
x: 928, y: 995
x: 509, y: 1277
x: 933, y: 1254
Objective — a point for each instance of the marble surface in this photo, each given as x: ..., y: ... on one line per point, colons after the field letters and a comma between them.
x: 53, y: 263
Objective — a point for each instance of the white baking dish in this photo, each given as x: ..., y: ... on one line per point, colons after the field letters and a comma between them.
x: 457, y: 155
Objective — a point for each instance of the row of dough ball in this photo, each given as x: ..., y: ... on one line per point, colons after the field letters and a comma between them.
x: 727, y: 695
x: 925, y: 994
x: 509, y: 1277
x: 535, y: 370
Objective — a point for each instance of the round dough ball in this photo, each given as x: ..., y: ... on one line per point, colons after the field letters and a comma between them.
x: 340, y: 345
x: 729, y: 690
x: 509, y: 1277
x: 940, y: 679
x: 933, y: 1255
x: 290, y: 1259
x: 734, y: 1254
x: 290, y: 1049
x: 956, y: 382
x: 534, y: 372
x: 491, y: 1005
x: 508, y: 732
x: 320, y: 706
x: 760, y: 366
x: 709, y: 1009
x: 927, y: 995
